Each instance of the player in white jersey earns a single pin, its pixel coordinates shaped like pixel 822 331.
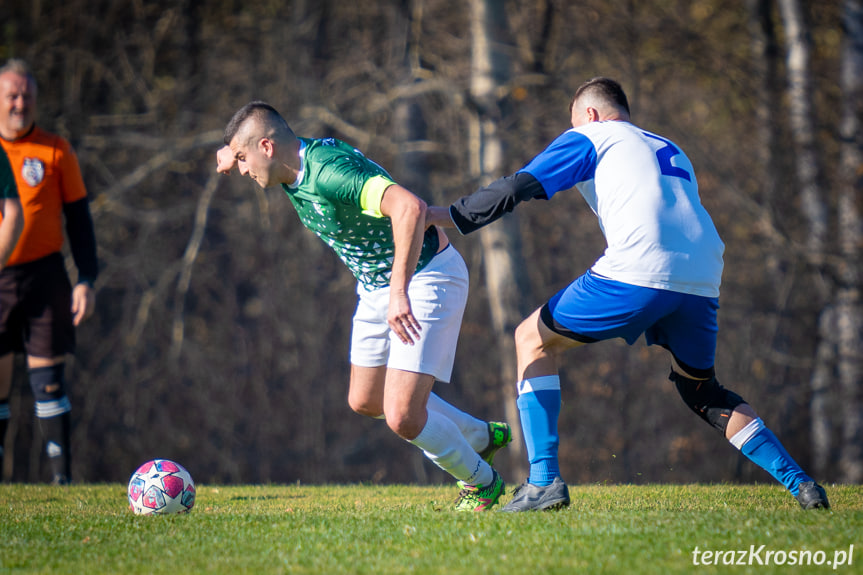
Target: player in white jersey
pixel 659 276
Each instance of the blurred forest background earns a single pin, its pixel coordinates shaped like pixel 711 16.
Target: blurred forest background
pixel 222 326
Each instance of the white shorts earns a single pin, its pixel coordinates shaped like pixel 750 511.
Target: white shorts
pixel 438 295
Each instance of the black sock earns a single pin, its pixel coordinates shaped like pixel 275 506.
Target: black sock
pixel 4 424
pixel 55 431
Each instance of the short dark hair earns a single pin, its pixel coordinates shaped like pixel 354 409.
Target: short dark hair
pixel 604 88
pixel 258 109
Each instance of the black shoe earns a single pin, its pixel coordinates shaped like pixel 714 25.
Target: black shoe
pixel 812 496
pixel 530 497
pixel 60 480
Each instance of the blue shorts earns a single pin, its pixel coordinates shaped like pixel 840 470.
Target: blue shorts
pixel 595 308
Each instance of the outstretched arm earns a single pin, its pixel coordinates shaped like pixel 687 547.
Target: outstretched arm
pixel 491 202
pixel 407 213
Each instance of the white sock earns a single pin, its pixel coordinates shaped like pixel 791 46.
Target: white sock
pixel 444 444
pixel 740 438
pixel 474 430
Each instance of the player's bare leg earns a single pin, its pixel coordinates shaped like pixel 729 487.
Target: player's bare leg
pixel 405 397
pixel 401 396
pixel 366 397
pixel 537 348
pixel 366 391
pixel 403 401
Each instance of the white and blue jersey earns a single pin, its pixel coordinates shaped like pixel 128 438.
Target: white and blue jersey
pixel 661 269
pixel 643 190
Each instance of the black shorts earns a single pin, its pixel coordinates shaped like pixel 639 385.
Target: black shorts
pixel 36 308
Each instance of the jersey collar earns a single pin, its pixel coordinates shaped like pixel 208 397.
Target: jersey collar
pixel 302 154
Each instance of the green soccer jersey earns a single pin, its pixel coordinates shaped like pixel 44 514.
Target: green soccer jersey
pixel 337 196
pixel 8 189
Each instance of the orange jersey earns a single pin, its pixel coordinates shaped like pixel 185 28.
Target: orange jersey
pixel 48 176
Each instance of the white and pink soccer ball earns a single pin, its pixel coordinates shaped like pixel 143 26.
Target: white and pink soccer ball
pixel 161 486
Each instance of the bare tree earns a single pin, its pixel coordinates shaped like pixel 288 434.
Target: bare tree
pixel 848 304
pixel 504 269
pixel 814 211
pixel 802 119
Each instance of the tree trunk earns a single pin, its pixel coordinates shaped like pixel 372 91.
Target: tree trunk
pixel 504 270
pixel 764 50
pixel 849 307
pixel 802 118
pixel 802 114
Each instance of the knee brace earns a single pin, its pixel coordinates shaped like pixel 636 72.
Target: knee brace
pixel 707 398
pixel 49 390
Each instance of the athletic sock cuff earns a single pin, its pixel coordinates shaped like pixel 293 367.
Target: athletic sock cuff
pixel 740 438
pixel 534 384
pixel 53 408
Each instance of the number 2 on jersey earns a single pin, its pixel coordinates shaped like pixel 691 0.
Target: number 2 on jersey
pixel 664 155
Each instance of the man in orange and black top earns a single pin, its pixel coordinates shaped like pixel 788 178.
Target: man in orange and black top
pixel 39 309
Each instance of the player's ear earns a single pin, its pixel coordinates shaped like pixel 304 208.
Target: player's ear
pixel 267 147
pixel 592 114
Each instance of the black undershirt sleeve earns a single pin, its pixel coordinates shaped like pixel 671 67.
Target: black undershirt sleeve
pixel 491 202
pixel 82 239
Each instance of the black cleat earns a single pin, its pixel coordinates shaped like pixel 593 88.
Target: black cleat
pixel 530 497
pixel 812 496
pixel 60 479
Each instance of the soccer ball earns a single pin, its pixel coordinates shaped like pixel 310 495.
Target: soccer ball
pixel 161 486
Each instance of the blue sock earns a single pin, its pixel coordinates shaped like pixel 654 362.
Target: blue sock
pixel 764 449
pixel 539 408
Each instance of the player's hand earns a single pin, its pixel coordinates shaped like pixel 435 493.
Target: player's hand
pixel 225 160
pixel 83 303
pixel 401 319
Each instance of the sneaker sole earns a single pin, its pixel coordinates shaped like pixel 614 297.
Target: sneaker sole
pixel 556 506
pixel 553 506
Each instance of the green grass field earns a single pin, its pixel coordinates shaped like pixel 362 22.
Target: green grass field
pixel 409 529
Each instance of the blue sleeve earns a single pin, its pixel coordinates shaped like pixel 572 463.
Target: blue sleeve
pixel 569 159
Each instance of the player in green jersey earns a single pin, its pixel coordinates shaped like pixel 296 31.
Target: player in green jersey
pixel 412 287
pixel 11 220
pixel 11 226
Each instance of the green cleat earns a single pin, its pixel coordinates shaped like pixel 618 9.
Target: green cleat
pixel 478 497
pixel 499 435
